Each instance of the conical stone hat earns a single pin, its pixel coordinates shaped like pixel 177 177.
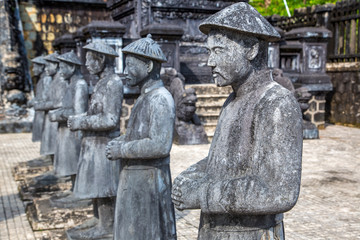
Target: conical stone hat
pixel 70 57
pixel 242 18
pixel 52 57
pixel 39 60
pixel 100 47
pixel 147 48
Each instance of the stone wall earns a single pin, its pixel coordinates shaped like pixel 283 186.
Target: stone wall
pixel 44 21
pixel 344 102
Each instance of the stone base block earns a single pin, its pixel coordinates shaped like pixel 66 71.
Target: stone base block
pixel 32 168
pixel 43 217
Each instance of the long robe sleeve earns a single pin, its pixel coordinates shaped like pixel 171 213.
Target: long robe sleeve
pixel 107 119
pixel 157 144
pixel 273 184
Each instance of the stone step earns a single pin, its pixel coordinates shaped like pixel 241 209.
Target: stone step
pixel 209 89
pixel 208 118
pixel 210 127
pixel 211 99
pixel 201 109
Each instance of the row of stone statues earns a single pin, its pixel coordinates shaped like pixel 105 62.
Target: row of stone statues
pixel 250 177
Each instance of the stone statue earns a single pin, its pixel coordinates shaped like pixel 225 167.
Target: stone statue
pixel 74 102
pixel 97 178
pixel 143 205
pixel 41 87
pixel 52 101
pixel 303 96
pixel 251 175
pixel 188 128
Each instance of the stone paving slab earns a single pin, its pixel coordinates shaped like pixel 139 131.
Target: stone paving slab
pixel 328 207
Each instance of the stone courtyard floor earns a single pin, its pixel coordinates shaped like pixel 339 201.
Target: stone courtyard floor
pixel 328 207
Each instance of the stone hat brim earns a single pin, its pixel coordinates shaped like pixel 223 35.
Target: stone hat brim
pixel 39 60
pixel 52 57
pixel 100 47
pixel 241 18
pixel 147 48
pixel 144 56
pixel 70 57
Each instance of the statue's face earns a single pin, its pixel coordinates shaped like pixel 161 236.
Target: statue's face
pixel 66 70
pixel 228 60
pixel 38 69
pixel 51 68
pixel 94 62
pixel 136 70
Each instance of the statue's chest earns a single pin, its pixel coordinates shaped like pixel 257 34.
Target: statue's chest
pixel 98 98
pixel 230 152
pixel 140 119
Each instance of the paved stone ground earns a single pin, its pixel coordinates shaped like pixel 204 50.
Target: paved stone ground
pixel 328 207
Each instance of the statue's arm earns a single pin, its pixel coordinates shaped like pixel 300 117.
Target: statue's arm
pixel 109 118
pixel 274 185
pixel 57 115
pixel 80 101
pixel 161 127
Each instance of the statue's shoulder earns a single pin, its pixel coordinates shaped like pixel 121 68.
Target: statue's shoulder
pixel 114 81
pixel 81 83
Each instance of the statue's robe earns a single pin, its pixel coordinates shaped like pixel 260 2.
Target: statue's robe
pixel 253 169
pixel 143 205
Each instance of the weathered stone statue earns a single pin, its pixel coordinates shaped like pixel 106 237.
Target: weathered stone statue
pixel 97 177
pixel 74 102
pixel 41 87
pixel 52 101
pixel 143 205
pixel 252 173
pixel 188 128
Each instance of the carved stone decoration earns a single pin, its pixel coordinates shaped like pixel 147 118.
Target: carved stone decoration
pixel 252 173
pixel 188 128
pixel 143 205
pixel 97 178
pixel 39 72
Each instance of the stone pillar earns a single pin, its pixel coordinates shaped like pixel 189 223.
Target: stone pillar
pixel 15 81
pixel 64 43
pixel 303 60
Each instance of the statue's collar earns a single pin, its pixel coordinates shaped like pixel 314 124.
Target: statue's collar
pixel 151 85
pixel 106 72
pixel 255 81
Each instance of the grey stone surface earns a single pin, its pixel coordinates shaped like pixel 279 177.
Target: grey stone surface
pixel 329 193
pixel 74 102
pixel 55 88
pixel 97 178
pixel 188 128
pixel 252 173
pixel 38 122
pixel 143 205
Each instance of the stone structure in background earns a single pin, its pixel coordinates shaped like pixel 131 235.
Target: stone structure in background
pixel 97 177
pixel 257 146
pixel 74 102
pixel 303 60
pixel 41 87
pixel 15 81
pixel 141 15
pixel 46 20
pixel 143 205
pixel 188 127
pixel 65 43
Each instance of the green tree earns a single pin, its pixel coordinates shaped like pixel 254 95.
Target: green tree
pixel 270 7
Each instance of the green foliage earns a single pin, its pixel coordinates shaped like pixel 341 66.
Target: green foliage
pixel 278 6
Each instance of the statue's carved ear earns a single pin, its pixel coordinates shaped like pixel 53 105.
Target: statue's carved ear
pixel 150 66
pixel 253 52
pixel 73 67
pixel 102 58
